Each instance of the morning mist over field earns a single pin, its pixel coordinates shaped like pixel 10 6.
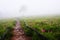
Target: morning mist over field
pixel 20 8
pixel 29 19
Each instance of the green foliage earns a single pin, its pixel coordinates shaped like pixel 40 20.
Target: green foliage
pixel 4 25
pixel 50 25
pixel 35 36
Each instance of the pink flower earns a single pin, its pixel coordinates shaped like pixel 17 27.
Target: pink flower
pixel 43 30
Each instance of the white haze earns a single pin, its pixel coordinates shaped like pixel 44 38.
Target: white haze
pixel 19 8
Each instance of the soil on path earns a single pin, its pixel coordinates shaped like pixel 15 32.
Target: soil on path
pixel 18 33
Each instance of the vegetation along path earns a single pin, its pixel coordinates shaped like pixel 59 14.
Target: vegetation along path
pixel 18 33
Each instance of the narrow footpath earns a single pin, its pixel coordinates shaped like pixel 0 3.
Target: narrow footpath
pixel 18 33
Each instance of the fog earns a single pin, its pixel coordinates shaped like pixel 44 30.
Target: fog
pixel 23 8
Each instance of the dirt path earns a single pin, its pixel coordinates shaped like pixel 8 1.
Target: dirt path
pixel 18 33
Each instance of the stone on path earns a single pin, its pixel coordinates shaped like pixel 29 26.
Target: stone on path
pixel 18 33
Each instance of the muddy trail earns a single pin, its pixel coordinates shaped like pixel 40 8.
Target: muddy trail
pixel 18 33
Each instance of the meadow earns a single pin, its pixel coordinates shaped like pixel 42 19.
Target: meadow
pixel 46 26
pixel 5 28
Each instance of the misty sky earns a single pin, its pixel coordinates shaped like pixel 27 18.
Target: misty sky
pixel 16 8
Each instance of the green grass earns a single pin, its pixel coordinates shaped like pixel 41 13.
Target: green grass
pixel 4 24
pixel 50 25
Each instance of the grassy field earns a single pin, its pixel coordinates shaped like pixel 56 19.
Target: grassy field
pixel 4 25
pixel 48 27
